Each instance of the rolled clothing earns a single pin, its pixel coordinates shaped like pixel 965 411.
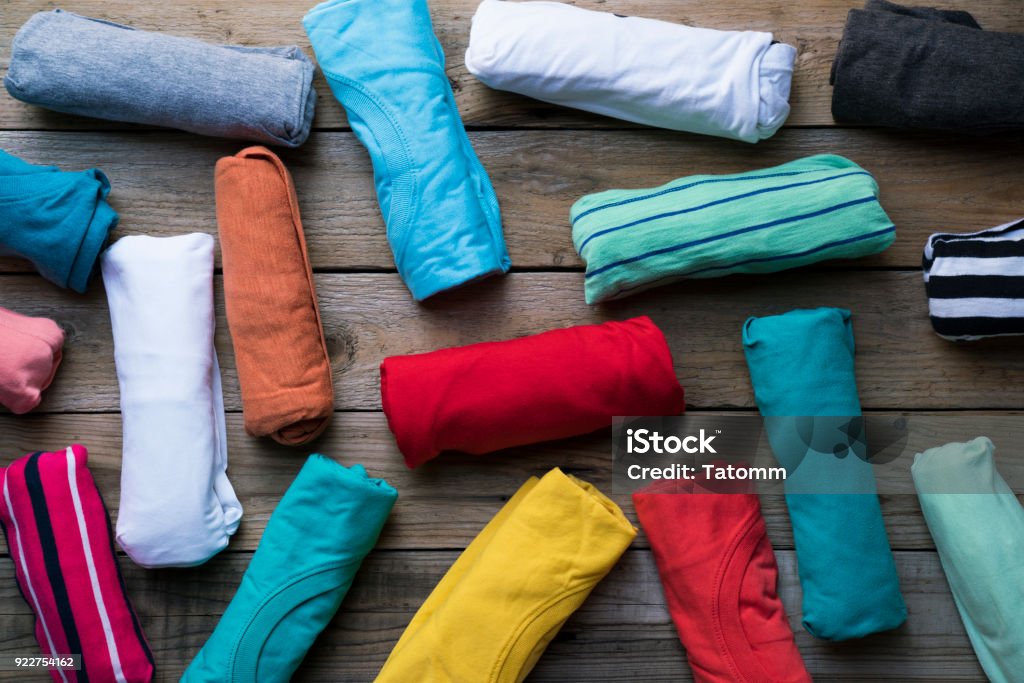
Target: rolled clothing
pixel 178 508
pixel 386 67
pixel 975 282
pixel 809 210
pixel 918 67
pixel 92 67
pixel 733 84
pixel 57 220
pixel 30 353
pixel 58 535
pixel 802 365
pixel 978 527
pixel 720 578
pixel 508 594
pixel 317 537
pixel 284 368
pixel 485 397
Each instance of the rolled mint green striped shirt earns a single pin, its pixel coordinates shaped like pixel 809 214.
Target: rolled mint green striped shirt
pixel 808 210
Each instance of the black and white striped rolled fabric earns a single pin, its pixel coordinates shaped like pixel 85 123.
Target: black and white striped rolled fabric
pixel 975 282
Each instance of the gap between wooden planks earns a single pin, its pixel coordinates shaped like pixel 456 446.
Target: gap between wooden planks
pixel 163 182
pixel 901 363
pixel 444 504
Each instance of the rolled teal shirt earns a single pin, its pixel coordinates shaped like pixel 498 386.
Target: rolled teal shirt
pixel 57 220
pixel 801 364
pixel 385 66
pixel 326 523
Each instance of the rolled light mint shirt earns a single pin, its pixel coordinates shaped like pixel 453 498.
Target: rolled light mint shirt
pixel 978 526
pixel 90 67
pixel 732 84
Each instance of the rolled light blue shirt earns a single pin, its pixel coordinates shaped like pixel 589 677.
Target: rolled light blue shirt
pixel 385 66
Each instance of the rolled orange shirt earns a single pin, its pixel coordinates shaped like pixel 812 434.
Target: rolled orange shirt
pixel 283 365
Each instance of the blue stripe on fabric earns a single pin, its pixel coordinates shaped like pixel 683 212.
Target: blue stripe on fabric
pixel 678 188
pixel 740 231
pixel 765 259
pixel 716 202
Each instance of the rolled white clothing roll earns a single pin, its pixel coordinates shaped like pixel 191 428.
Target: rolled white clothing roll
pixel 178 508
pixel 732 84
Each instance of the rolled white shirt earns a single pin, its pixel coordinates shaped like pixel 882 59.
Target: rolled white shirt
pixel 732 84
pixel 178 508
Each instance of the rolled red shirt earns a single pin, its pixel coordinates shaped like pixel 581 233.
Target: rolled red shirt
pixel 720 578
pixel 495 395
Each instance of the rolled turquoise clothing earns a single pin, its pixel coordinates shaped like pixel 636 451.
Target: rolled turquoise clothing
pixel 385 66
pixel 802 365
pixel 326 523
pixel 701 226
pixel 978 527
pixel 58 220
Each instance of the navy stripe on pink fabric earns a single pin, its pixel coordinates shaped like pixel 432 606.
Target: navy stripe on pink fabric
pixel 60 540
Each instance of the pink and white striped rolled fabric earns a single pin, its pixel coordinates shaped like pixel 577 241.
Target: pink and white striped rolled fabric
pixel 58 534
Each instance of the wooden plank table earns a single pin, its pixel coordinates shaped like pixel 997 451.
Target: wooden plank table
pixel 541 158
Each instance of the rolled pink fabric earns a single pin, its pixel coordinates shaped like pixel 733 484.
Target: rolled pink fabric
pixel 30 351
pixel 58 535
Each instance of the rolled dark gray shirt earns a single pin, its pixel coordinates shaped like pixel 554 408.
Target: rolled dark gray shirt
pixel 919 67
pixel 90 67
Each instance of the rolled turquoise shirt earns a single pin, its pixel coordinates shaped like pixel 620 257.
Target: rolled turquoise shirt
pixel 57 220
pixel 978 527
pixel 385 66
pixel 801 365
pixel 326 523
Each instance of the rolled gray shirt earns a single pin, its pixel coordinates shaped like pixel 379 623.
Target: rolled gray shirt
pixel 90 67
pixel 920 67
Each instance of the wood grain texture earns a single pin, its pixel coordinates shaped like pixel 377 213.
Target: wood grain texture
pixel 623 628
pixel 814 27
pixel 163 182
pixel 901 363
pixel 541 159
pixel 445 503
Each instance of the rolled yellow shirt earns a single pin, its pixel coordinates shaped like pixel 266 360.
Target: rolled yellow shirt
pixel 495 611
